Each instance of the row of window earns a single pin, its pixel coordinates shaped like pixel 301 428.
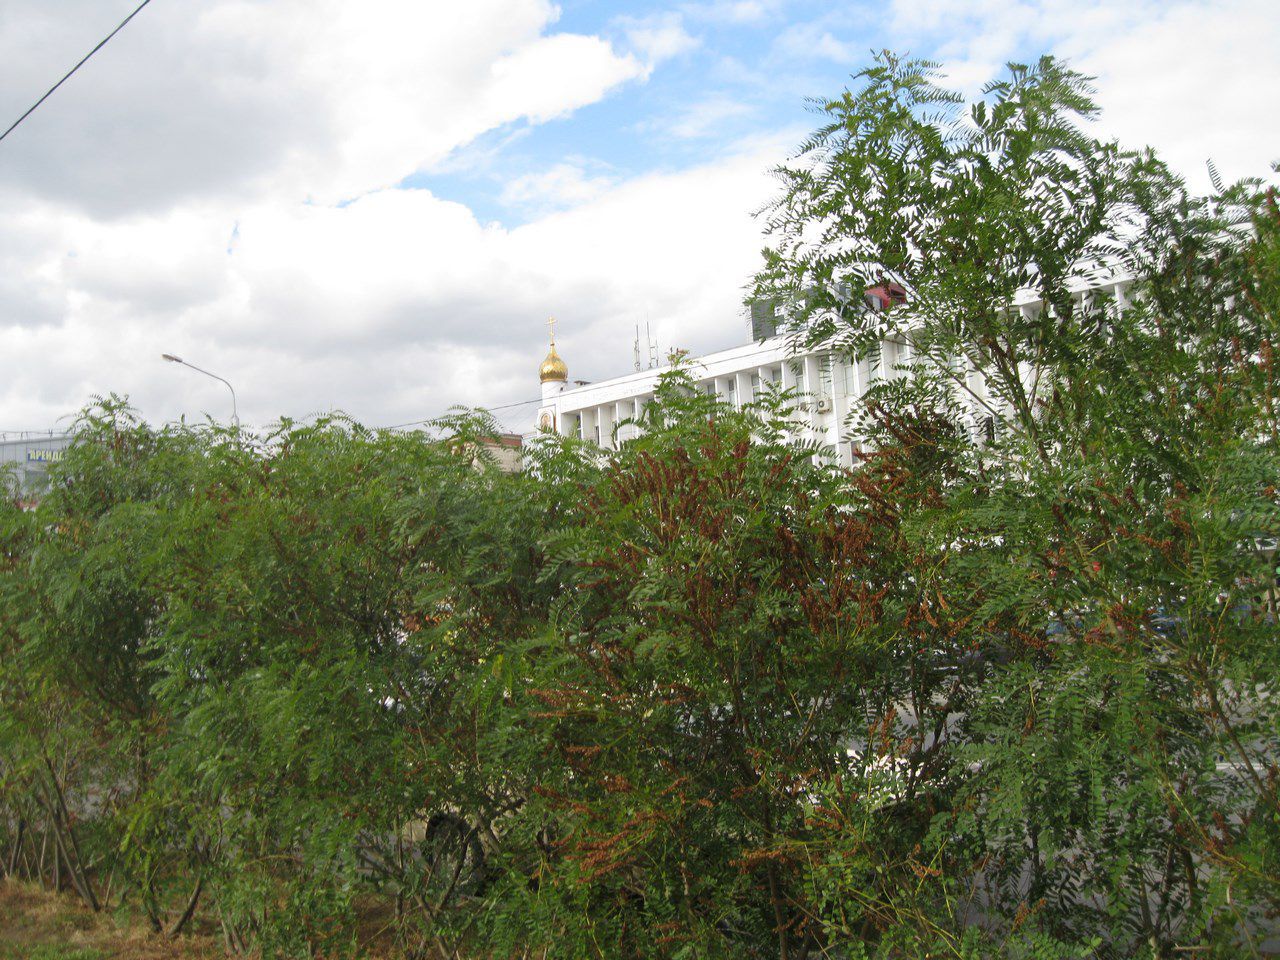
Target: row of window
pixel 832 372
pixel 825 377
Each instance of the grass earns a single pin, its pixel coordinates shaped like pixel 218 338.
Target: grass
pixel 37 925
pixel 47 952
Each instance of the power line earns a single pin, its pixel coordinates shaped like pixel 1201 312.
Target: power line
pixel 416 423
pixel 102 43
pixel 10 436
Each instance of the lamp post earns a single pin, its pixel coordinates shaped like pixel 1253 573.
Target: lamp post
pixel 235 417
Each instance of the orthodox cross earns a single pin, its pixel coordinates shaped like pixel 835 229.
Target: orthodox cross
pixel 551 322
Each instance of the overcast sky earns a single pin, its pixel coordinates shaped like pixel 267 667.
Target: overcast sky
pixel 373 206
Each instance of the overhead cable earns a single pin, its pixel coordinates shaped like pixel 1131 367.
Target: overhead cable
pixel 102 43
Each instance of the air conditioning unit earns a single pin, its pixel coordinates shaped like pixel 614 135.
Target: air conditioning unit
pixel 824 405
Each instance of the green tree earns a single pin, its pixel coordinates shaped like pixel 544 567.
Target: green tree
pixel 318 586
pixel 1001 692
pixel 724 644
pixel 1111 784
pixel 79 609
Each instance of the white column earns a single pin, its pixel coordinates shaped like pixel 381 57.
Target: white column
pixel 605 419
pixel 813 390
pixel 787 380
pixel 861 375
pixel 1122 295
pixel 1030 311
pixel 840 406
pixel 624 410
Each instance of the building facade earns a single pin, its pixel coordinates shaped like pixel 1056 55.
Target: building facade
pixel 25 458
pixel 827 384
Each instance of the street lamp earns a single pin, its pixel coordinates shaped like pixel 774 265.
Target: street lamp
pixel 235 417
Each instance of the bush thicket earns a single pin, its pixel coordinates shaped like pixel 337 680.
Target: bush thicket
pixel 1002 693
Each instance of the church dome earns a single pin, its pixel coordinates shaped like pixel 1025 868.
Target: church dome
pixel 553 368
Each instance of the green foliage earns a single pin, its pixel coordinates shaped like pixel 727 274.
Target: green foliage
pixel 1111 777
pixel 708 695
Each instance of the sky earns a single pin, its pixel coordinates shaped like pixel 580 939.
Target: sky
pixel 373 207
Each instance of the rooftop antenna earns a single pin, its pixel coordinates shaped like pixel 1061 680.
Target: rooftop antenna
pixel 653 347
pixel 636 348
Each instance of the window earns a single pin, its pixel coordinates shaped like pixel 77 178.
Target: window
pixel 797 371
pixel 848 376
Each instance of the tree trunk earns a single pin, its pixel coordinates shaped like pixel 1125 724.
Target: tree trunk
pixel 18 839
pixel 78 875
pixel 192 902
pixel 149 905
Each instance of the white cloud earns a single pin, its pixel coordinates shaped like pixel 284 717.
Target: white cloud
pixel 808 40
pixel 552 77
pixel 563 185
pixel 736 11
pixel 393 306
pixel 252 119
pixel 215 184
pixel 290 98
pixel 1197 82
pixel 1195 79
pixel 658 37
pixel 702 118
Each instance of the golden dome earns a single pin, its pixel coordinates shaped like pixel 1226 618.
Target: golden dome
pixel 553 368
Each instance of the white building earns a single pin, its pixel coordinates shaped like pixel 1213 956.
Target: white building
pixel 826 383
pixel 25 459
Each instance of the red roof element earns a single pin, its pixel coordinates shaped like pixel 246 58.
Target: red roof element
pixel 504 440
pixel 886 295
